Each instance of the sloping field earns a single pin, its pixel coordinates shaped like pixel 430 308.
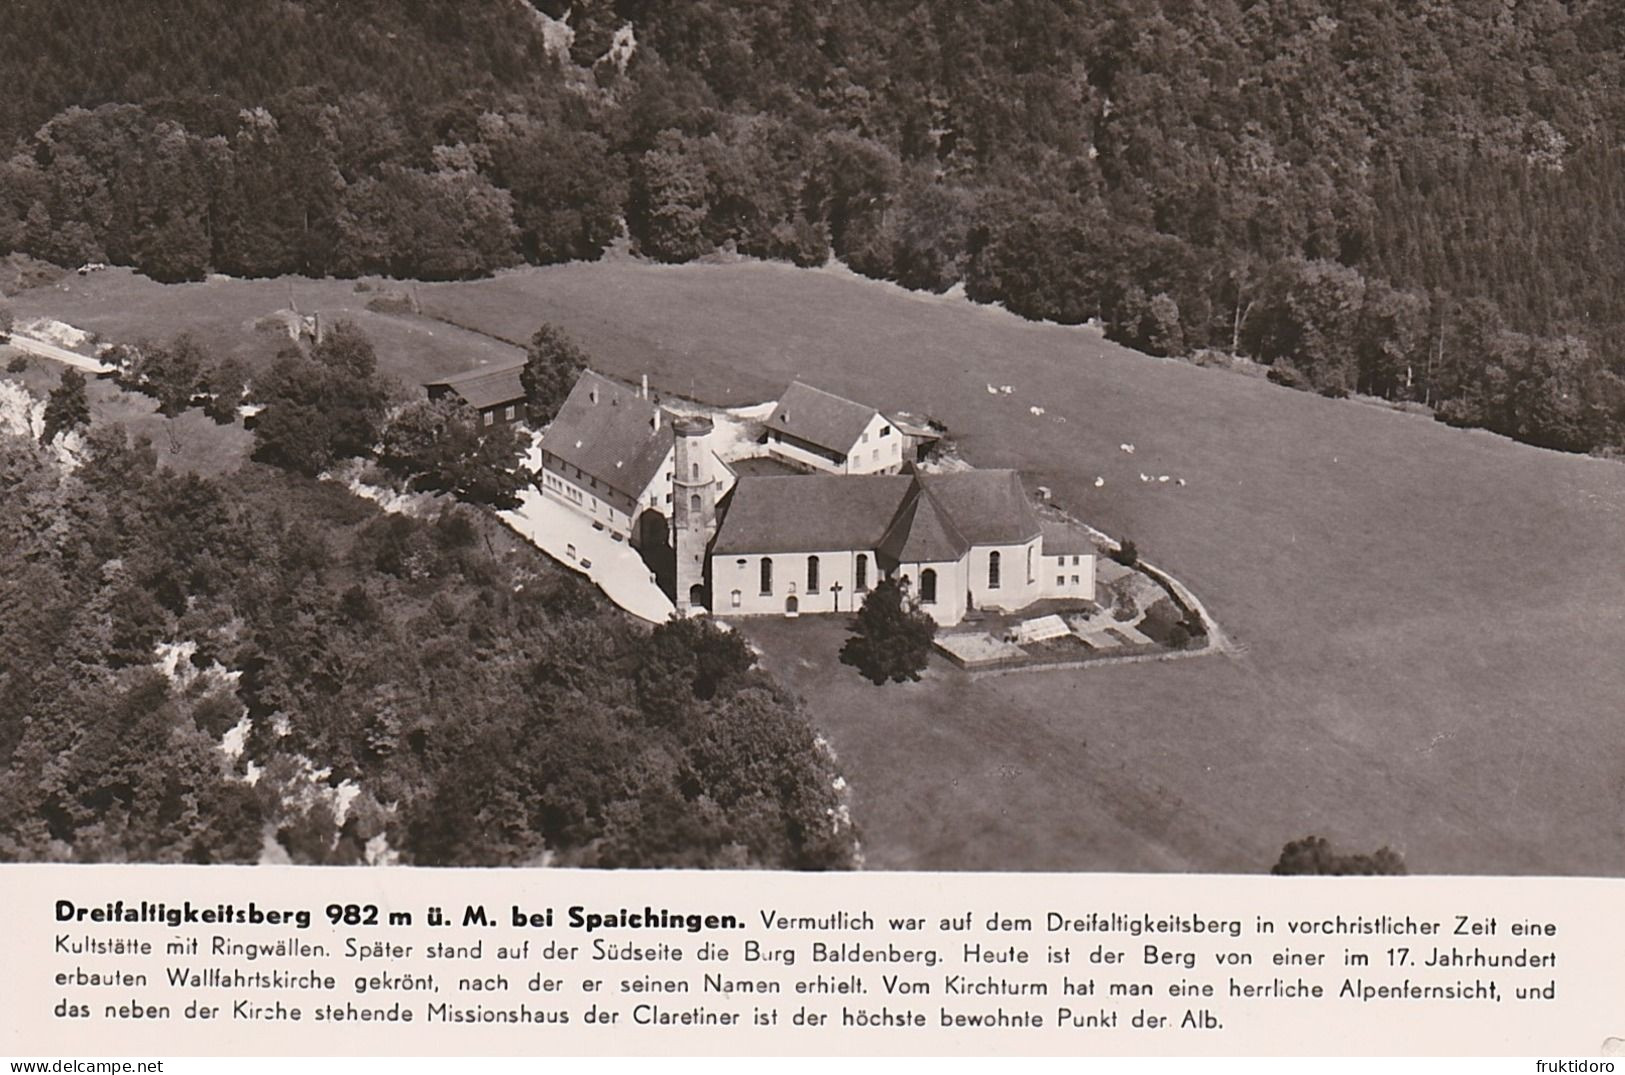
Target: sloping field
pixel 1433 619
pixel 223 314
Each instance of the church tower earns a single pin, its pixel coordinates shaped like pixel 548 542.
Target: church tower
pixel 694 510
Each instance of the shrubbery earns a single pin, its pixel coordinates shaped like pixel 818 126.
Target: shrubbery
pixel 1313 855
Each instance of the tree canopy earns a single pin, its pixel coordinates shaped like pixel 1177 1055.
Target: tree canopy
pixel 67 407
pixel 553 361
pixel 483 705
pixel 1358 195
pixel 441 447
pixel 891 637
pixel 321 407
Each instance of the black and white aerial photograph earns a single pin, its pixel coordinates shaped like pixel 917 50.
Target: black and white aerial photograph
pixel 1111 436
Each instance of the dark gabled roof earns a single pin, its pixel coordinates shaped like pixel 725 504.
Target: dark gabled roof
pixel 1066 539
pixel 989 507
pixel 810 513
pixel 922 532
pixel 485 387
pixel 611 433
pixel 929 518
pixel 820 418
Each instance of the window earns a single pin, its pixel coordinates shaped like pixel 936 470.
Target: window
pixel 874 456
pixel 812 574
pixel 694 503
pixel 736 597
pixel 863 438
pixel 695 471
pixel 767 575
pixel 1074 561
pixel 928 587
pixel 490 417
pixel 1060 580
pixel 1030 576
pixel 863 572
pixel 508 414
pixel 1074 580
pixel 993 571
pixel 885 431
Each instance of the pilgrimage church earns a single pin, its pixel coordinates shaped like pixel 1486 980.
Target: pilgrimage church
pixel 848 510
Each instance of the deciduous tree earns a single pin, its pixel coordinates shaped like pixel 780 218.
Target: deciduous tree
pixel 67 407
pixel 891 637
pixel 553 361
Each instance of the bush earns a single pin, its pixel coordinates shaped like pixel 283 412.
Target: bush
pixel 1126 554
pixel 1289 376
pixel 390 302
pixel 1313 855
pixel 17 364
pixel 1161 621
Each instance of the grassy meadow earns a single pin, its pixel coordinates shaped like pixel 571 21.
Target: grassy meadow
pixel 225 316
pixel 1431 620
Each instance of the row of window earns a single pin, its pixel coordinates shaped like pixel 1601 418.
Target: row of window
pixel 928 578
pixel 860 580
pixel 610 495
pixel 571 493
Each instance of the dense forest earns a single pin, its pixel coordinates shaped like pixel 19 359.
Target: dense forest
pixel 198 670
pixel 1421 202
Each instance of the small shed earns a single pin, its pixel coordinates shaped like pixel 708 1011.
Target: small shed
pixel 921 435
pixel 497 394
